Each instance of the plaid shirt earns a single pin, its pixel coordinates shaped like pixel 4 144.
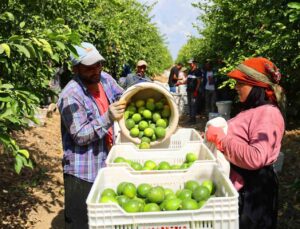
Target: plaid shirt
pixel 83 128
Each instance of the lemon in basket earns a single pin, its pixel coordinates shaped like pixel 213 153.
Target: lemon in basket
pixel 189 204
pixel 122 200
pixel 191 185
pixel 129 190
pixel 190 157
pixel 119 160
pixel 160 132
pixel 108 199
pixel 208 184
pixel 201 203
pixel 201 193
pixel 150 164
pixel 143 190
pixel 148 132
pixel 156 195
pixel 132 206
pixel 151 207
pixel 147 114
pixel 143 125
pixel 134 132
pixel 161 123
pixel 172 204
pixel 129 123
pixel 108 192
pixel 140 103
pixel 184 194
pixel 164 165
pixel 144 145
pixel 136 117
pixel 120 188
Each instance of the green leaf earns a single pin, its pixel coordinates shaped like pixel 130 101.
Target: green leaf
pixel 1 49
pixel 294 5
pixel 18 164
pixel 6 99
pixel 24 152
pixel 6 49
pixel 14 38
pixel 8 15
pixel 22 24
pixel 23 50
pixel 7 86
pixel 60 45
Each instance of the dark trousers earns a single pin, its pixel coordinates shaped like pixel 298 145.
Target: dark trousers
pixel 192 103
pixel 76 192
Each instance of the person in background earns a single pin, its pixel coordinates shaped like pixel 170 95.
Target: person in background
pixel 193 85
pixel 137 77
pixel 173 77
pixel 88 106
pixel 253 141
pixel 209 87
pixel 126 71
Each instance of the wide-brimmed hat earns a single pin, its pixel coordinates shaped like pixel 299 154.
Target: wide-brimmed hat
pixel 87 54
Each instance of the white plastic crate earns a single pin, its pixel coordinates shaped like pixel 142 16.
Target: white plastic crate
pixel 182 137
pixel 157 155
pixel 219 212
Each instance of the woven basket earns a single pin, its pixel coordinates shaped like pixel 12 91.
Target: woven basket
pixel 146 90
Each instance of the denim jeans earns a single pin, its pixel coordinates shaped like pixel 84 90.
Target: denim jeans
pixel 173 89
pixel 76 192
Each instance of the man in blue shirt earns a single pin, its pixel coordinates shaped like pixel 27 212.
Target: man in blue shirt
pixel 88 106
pixel 138 77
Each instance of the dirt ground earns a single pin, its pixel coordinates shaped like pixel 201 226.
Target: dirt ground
pixel 34 199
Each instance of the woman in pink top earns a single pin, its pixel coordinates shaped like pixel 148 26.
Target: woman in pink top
pixel 253 141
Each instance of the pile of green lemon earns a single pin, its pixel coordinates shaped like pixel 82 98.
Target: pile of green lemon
pixel 190 158
pixel 148 198
pixel 147 120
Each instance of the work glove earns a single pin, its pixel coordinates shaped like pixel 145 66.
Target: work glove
pixel 116 110
pixel 215 135
pixel 195 93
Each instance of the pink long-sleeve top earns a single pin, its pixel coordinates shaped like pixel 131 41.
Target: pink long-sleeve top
pixel 253 139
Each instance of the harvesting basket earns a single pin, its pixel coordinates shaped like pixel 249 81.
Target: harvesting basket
pixel 150 90
pixel 158 155
pixel 219 212
pixel 181 137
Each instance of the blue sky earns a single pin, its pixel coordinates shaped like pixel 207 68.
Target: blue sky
pixel 174 19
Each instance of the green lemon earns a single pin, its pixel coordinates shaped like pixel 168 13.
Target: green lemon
pixel 136 117
pixel 168 191
pixel 161 123
pixel 148 132
pixel 159 105
pixel 136 166
pixel 172 204
pixel 122 199
pixel 150 100
pixel 143 125
pixel 139 103
pixel 132 206
pixel 156 195
pixel 144 145
pixel 141 134
pixel 141 203
pixel 129 123
pixel 191 185
pixel 120 188
pixel 145 139
pixel 184 166
pixel 189 204
pixel 126 115
pixel 141 109
pixel 185 194
pixel 175 167
pixel 170 196
pixel 108 199
pixel 165 113
pixel 129 190
pixel 119 160
pixel 150 106
pixel 164 165
pixel 147 114
pixel 108 192
pixel 150 164
pixel 191 157
pixel 209 184
pixel 201 193
pixel 160 132
pixel 151 207
pixel 131 110
pixel 134 132
pixel 156 116
pixel 143 190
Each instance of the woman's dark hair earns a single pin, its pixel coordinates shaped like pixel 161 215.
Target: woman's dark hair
pixel 257 97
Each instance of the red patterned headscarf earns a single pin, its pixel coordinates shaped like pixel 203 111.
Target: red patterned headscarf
pixel 261 72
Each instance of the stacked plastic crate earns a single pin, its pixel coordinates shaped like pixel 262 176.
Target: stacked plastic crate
pixel 220 211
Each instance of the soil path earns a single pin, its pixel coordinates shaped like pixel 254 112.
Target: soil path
pixel 34 199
